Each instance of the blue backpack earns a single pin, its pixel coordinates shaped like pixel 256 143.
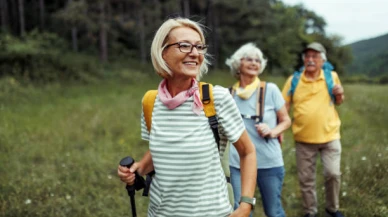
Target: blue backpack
pixel 327 69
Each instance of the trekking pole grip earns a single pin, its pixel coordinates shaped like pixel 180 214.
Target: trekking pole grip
pixel 139 180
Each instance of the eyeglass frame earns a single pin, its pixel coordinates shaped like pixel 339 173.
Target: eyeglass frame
pixel 192 47
pixel 250 59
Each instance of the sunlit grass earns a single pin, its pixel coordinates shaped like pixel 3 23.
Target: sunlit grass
pixel 60 147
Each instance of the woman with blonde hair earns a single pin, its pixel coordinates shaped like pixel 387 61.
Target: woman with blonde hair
pixel 189 180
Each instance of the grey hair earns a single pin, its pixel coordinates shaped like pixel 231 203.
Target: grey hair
pixel 247 50
pixel 323 56
pixel 160 41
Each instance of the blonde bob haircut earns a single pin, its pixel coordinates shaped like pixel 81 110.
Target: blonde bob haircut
pixel 247 50
pixel 160 41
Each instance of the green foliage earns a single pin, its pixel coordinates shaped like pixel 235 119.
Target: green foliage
pixel 383 79
pixel 75 14
pixel 125 29
pixel 358 79
pixel 42 58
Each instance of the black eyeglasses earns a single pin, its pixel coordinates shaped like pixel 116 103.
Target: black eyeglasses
pixel 186 47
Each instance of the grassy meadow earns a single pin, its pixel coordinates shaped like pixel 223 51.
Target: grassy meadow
pixel 60 146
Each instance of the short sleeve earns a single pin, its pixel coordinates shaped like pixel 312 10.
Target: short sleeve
pixel 286 89
pixel 276 95
pixel 228 114
pixel 144 131
pixel 335 78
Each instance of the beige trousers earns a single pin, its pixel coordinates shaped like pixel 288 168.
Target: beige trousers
pixel 306 157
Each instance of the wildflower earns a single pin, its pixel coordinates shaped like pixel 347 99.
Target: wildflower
pixel 121 141
pixel 109 177
pixel 28 201
pixel 363 158
pixel 344 194
pixel 68 197
pixel 52 194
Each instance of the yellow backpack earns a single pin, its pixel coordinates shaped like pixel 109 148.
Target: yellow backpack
pixel 206 93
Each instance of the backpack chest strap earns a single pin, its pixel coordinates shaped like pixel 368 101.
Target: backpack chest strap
pixel 253 117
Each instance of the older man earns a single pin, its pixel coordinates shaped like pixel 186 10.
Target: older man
pixel 314 92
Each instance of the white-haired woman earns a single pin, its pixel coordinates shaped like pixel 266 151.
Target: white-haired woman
pixel 246 64
pixel 189 179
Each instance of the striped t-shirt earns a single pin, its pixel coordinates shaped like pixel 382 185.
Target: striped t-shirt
pixel 189 179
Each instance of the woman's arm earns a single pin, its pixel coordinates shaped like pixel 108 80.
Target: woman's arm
pixel 247 153
pixel 284 123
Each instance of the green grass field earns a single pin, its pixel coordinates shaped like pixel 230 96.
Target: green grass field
pixel 60 147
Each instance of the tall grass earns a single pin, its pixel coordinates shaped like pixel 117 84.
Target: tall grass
pixel 60 147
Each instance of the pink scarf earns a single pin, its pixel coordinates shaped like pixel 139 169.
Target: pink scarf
pixel 173 102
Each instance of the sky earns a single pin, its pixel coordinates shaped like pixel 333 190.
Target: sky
pixel 354 20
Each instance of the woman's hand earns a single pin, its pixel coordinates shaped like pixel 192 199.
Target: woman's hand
pixel 284 123
pixel 264 130
pixel 242 211
pixel 144 166
pixel 127 175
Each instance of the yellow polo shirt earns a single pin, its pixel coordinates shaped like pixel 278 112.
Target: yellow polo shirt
pixel 315 119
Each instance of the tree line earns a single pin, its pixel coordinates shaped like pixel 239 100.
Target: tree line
pixel 116 29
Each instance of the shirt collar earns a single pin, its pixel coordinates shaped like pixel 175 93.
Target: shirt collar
pixel 320 77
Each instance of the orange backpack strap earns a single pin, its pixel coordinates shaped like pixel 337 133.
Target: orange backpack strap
pixel 148 106
pixel 206 92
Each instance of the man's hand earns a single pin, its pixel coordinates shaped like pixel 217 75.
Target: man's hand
pixel 338 89
pixel 338 92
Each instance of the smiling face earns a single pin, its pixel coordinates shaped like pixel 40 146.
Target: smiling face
pixel 183 64
pixel 250 66
pixel 312 61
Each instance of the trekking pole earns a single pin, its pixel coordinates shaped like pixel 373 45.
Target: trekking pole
pixel 139 183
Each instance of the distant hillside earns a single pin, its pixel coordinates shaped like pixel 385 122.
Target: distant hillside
pixel 370 57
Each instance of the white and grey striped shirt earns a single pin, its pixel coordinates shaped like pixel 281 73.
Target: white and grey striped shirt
pixel 189 180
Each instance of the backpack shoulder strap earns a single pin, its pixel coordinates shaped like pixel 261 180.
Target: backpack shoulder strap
pixel 260 103
pixel 206 92
pixel 327 70
pixel 294 82
pixel 261 100
pixel 148 106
